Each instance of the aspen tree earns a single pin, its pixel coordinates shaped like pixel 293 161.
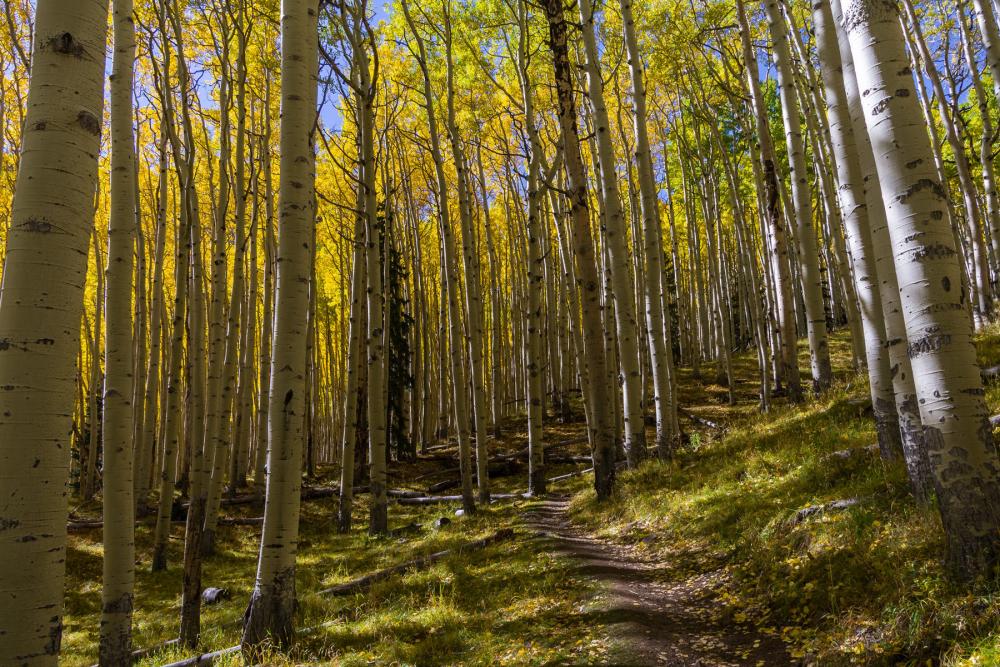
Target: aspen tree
pixel 907 410
pixel 88 485
pixel 496 393
pixel 151 395
pixel 989 30
pixel 957 432
pixel 272 604
pixel 220 359
pixel 449 270
pixel 810 278
pixel 375 241
pixel 621 281
pixel 357 344
pixel 855 211
pixel 217 407
pixel 355 357
pixel 190 622
pixel 588 283
pixel 658 326
pixel 772 213
pixel 223 445
pixel 119 506
pixel 470 264
pixel 267 310
pixel 140 314
pixel 533 323
pixel 41 303
pixel 242 426
pixel 987 138
pixel 983 303
pixel 171 427
pixel 197 386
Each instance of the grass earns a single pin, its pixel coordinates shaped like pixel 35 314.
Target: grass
pixel 862 585
pixel 508 604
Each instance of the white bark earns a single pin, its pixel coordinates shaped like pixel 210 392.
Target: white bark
pixel 810 278
pixel 622 285
pixel 854 209
pixel 119 506
pixel 658 330
pixel 272 604
pixel 41 302
pixel 957 432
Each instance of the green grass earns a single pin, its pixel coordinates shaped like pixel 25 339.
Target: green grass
pixel 863 585
pixel 511 603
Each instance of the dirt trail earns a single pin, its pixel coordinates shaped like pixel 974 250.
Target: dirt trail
pixel 653 615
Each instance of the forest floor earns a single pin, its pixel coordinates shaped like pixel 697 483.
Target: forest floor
pixel 653 612
pixel 739 552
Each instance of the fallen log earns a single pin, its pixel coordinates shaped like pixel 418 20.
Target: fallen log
pixel 362 583
pixel 140 653
pixel 569 475
pixel 444 485
pixel 435 473
pixel 242 521
pixel 404 493
pixel 557 460
pixel 204 658
pixel 434 500
pixel 506 468
pixel 437 457
pixel 698 420
pixel 406 530
pixel 523 452
pixel 444 445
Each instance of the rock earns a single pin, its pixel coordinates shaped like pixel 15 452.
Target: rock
pixel 846 454
pixel 441 522
pixel 807 512
pixel 214 595
pixel 459 512
pixel 650 540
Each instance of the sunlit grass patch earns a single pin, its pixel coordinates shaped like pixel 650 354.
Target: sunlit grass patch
pixel 860 584
pixel 470 608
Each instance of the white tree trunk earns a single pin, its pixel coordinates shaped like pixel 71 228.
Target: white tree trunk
pixel 272 604
pixel 41 302
pixel 599 421
pixel 119 506
pixel 622 285
pixel 535 268
pixel 854 209
pixel 775 222
pixel 957 431
pixel 657 332
pixel 810 278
